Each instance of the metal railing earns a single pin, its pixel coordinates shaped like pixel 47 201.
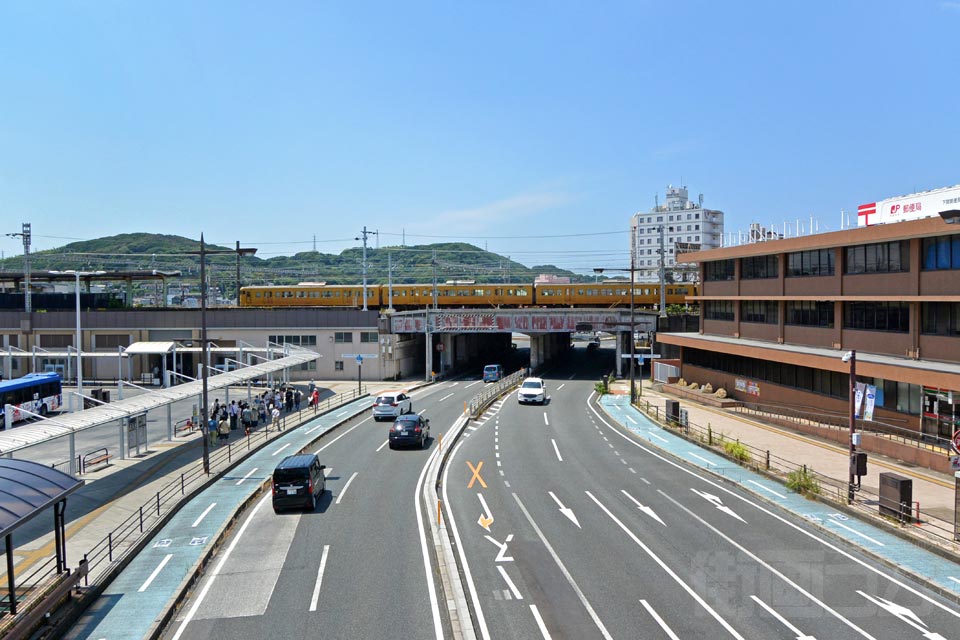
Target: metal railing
pixel 482 400
pixel 111 552
pixel 835 490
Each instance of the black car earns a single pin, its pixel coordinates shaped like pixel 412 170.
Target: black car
pixel 297 481
pixel 409 428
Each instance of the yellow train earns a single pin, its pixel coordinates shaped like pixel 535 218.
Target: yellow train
pixel 418 296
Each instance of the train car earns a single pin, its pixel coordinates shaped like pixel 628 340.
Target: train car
pixel 609 294
pixel 309 296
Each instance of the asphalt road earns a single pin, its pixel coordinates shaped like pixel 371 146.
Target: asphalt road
pixel 361 566
pixel 595 536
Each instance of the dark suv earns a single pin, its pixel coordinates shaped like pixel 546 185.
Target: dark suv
pixel 409 429
pixel 297 481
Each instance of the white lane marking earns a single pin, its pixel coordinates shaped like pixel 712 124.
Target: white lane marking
pixel 453 384
pixel 556 449
pixel 473 428
pixel 385 443
pixel 543 627
pixel 857 533
pixel 693 455
pixel 632 421
pixel 631 469
pixel 779 617
pixel 663 625
pixel 473 383
pixel 496 447
pixel 425 553
pixel 280 449
pixel 481 621
pixel 616 452
pixel 449 395
pixel 663 565
pixel 781 519
pixel 610 444
pixel 208 509
pixel 316 587
pixel 216 571
pixel 779 495
pixel 561 386
pixel 344 490
pixel 421 412
pixel 506 578
pixel 572 377
pixel 545 420
pixel 155 573
pixel 342 413
pixel 954 579
pixel 327 472
pixel 240 481
pixel 660 438
pixel 767 566
pixel 337 438
pixel 563 569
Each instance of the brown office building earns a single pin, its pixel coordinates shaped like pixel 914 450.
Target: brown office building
pixel 777 317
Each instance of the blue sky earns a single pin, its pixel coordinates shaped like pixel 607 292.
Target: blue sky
pixel 496 123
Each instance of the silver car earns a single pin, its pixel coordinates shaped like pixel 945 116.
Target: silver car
pixel 391 404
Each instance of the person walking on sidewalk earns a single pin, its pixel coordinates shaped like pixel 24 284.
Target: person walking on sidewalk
pixel 223 430
pixel 297 398
pixel 289 400
pixel 246 416
pixel 234 412
pixel 276 417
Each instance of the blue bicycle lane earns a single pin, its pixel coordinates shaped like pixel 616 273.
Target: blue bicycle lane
pixel 135 601
pixel 894 550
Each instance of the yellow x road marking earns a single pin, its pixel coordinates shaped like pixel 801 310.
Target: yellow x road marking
pixel 476 475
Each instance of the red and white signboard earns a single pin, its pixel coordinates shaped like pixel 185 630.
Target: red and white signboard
pixel 956 440
pixel 925 204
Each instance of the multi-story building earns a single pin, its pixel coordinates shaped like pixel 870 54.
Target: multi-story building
pixel 777 317
pixel 679 226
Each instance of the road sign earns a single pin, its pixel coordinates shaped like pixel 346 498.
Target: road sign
pixel 955 463
pixel 956 440
pixel 359 359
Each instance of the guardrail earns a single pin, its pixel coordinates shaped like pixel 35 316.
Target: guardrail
pixel 831 489
pixel 112 552
pixel 482 400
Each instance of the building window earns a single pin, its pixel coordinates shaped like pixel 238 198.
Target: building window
pixel 342 337
pixel 818 262
pixel 877 316
pixel 112 340
pixel 884 257
pixel 764 311
pixel 338 365
pixel 369 336
pixel 718 270
pixel 309 366
pixel 56 341
pixel 809 313
pixel 718 310
pixel 758 267
pixel 940 318
pixel 300 341
pixel 941 253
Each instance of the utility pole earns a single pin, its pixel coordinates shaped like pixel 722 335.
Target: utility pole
pixel 433 262
pixel 663 289
pixel 25 234
pixel 363 237
pixel 390 281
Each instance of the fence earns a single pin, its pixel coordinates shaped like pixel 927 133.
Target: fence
pixel 112 551
pixel 804 479
pixel 482 400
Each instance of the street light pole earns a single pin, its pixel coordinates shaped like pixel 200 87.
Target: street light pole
pixel 205 423
pixel 851 357
pixel 79 344
pixel 633 338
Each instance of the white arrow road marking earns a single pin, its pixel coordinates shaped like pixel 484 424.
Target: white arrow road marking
pixel 502 554
pixel 647 510
pixel 485 515
pixel 316 587
pixel 905 614
pixel 760 486
pixel 564 510
pixel 656 616
pixel 718 503
pixel 344 490
pixel 543 627
pixel 556 449
pixel 155 573
pixel 207 510
pixel 783 621
pixel 513 587
pixel 449 395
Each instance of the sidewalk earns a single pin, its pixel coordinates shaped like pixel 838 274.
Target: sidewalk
pixel 934 491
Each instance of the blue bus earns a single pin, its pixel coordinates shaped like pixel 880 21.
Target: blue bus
pixel 38 393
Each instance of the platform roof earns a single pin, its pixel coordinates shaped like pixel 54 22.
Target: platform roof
pixel 28 488
pixel 149 348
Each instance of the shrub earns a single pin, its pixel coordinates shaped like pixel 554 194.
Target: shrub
pixel 681 382
pixel 737 451
pixel 721 393
pixel 693 386
pixel 600 387
pixel 707 388
pixel 803 480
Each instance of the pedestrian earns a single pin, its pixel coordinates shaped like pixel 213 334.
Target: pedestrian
pixel 276 417
pixel 216 407
pixel 223 430
pixel 311 388
pixel 246 415
pixel 289 398
pixel 234 412
pixel 263 413
pixel 212 430
pixel 297 398
pixel 315 398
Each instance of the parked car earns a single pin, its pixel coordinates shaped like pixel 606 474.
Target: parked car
pixel 392 404
pixel 409 429
pixel 297 481
pixel 492 373
pixel 532 390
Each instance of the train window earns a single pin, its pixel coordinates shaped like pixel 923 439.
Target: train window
pixel 301 294
pixel 479 292
pixel 523 292
pixel 268 294
pixel 256 294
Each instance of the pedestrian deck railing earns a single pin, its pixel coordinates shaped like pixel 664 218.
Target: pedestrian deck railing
pixel 113 552
pixel 806 480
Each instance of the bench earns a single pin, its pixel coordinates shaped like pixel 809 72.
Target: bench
pixel 98 456
pixel 184 427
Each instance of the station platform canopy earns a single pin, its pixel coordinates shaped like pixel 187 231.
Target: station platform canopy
pixel 43 430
